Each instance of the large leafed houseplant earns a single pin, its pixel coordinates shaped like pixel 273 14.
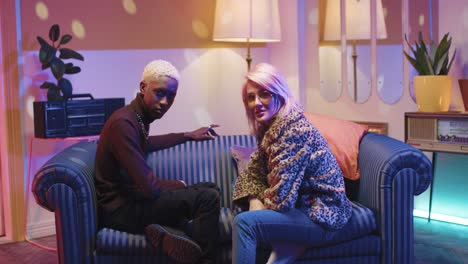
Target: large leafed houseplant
pixel 433 86
pixel 62 88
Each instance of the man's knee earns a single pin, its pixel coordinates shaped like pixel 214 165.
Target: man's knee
pixel 210 196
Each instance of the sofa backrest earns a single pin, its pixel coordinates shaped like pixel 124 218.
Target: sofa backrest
pixel 199 161
pixel 192 162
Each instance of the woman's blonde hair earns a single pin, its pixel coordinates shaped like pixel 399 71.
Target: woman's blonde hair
pixel 269 78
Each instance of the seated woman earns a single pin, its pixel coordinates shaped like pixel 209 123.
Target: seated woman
pixel 293 187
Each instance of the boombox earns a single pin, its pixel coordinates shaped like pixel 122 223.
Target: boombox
pixel 71 118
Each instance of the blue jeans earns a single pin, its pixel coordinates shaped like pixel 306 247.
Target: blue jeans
pixel 292 228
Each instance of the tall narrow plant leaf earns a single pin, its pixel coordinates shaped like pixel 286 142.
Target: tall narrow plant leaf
pixel 451 61
pixel 430 62
pixel 412 61
pixel 432 52
pixel 440 64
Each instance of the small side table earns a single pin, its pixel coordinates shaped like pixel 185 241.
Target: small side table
pixel 437 132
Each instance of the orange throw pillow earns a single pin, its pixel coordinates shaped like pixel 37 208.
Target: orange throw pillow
pixel 343 138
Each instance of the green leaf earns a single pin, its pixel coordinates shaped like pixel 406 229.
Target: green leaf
pixel 58 68
pixel 42 41
pixel 65 39
pixel 443 48
pixel 451 61
pixel 45 65
pixel 440 64
pixel 66 88
pixel 412 61
pixel 42 55
pixel 432 53
pixel 46 54
pixel 434 62
pixel 48 85
pixel 54 32
pixel 54 95
pixel 73 70
pixel 70 54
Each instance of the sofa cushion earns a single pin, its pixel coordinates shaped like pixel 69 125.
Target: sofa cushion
pixel 364 246
pixel 225 226
pixel 361 223
pixel 343 137
pixel 114 242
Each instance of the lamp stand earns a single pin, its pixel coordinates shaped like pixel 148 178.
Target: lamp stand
pixel 248 59
pixel 354 56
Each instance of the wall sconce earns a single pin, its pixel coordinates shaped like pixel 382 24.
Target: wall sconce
pixel 249 21
pixel 358 25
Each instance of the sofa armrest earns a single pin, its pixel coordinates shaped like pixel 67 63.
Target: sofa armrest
pixel 65 186
pixel 392 173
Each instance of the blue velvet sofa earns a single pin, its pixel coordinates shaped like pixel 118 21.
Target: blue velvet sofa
pixel 381 230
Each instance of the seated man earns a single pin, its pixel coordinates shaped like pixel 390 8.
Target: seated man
pixel 131 198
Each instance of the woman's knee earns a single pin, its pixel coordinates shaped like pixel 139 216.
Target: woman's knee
pixel 241 221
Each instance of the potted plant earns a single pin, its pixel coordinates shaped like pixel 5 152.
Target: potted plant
pixel 62 89
pixel 433 86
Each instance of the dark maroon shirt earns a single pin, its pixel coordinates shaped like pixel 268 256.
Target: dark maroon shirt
pixel 122 174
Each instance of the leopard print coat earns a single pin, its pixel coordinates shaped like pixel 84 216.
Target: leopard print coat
pixel 294 167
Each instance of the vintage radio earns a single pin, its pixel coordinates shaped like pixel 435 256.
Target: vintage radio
pixel 445 132
pixel 73 118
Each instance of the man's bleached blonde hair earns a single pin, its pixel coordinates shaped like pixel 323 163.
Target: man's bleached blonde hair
pixel 157 68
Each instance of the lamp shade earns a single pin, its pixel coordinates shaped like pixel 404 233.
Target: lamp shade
pixel 358 20
pixel 247 21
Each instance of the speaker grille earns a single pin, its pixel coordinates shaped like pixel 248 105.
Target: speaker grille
pixel 422 128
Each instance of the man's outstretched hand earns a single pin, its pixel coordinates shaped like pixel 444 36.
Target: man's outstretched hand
pixel 203 133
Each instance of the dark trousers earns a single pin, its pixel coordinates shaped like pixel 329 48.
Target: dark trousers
pixel 198 203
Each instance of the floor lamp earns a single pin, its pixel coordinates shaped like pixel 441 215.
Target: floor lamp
pixel 247 21
pixel 358 22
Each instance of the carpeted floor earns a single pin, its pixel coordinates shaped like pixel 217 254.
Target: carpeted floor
pixel 439 242
pixel 434 242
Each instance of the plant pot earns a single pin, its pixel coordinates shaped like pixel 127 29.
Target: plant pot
pixel 464 92
pixel 433 92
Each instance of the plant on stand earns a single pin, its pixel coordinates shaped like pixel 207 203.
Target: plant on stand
pixel 62 89
pixel 433 86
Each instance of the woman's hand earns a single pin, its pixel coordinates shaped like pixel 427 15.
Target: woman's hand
pixel 203 133
pixel 256 204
